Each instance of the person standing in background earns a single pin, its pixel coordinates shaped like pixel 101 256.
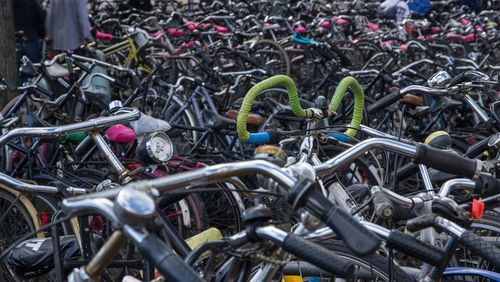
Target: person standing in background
pixel 143 5
pixel 68 24
pixel 29 17
pixel 396 10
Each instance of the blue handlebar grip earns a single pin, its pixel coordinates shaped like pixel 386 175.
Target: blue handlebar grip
pixel 259 138
pixel 339 136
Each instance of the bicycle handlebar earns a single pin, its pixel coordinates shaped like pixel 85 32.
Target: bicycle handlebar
pixel 359 102
pixel 471 241
pixel 307 250
pixel 59 131
pixel 277 80
pixel 282 80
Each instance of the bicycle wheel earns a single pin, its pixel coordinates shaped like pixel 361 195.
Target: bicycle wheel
pixel 152 54
pixel 15 222
pixel 488 227
pixel 368 49
pixel 223 208
pixel 271 57
pixel 187 215
pixel 348 53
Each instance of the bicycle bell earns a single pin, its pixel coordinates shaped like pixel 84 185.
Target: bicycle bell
pixel 270 153
pixel 134 207
pixel 155 148
pixel 439 79
pixel 494 141
pixel 439 139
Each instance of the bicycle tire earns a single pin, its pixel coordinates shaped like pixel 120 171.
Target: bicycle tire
pixel 170 69
pixel 258 46
pixel 11 222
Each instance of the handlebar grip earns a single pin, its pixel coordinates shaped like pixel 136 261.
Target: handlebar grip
pixel 487 185
pixel 382 205
pixel 457 79
pixel 356 236
pixel 359 239
pixel 481 247
pixel 415 248
pixel 10 85
pixel 447 161
pixel 84 146
pixel 339 136
pixel 421 222
pixel 266 137
pixel 477 149
pixel 359 102
pixel 384 102
pixel 168 264
pixel 318 255
pixel 406 171
pixel 246 106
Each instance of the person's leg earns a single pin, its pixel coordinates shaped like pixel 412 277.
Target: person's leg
pixel 33 49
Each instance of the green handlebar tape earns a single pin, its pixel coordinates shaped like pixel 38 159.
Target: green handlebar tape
pixel 246 106
pixel 359 101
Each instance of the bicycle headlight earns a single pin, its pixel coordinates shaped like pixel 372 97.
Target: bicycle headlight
pixel 155 148
pixel 439 79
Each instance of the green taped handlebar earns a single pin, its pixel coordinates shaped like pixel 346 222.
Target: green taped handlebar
pixel 359 101
pixel 275 81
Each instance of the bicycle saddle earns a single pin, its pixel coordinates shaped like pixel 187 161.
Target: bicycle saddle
pixel 216 121
pixel 412 100
pixel 252 119
pixel 55 70
pixel 35 256
pixel 120 134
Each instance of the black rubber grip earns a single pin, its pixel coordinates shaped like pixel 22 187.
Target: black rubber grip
pixel 481 247
pixel 406 171
pixel 487 185
pixel 477 149
pixel 384 102
pixel 445 161
pixel 7 82
pixel 382 205
pixel 317 255
pixel 457 79
pixel 421 222
pixel 84 146
pixel 415 248
pixel 359 239
pixel 171 266
pixel 274 136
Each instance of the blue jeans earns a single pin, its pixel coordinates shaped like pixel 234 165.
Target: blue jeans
pixel 32 49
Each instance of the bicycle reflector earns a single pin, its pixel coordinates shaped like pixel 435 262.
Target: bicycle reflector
pixel 477 209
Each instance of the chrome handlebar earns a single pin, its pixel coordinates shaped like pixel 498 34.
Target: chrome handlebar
pixel 58 131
